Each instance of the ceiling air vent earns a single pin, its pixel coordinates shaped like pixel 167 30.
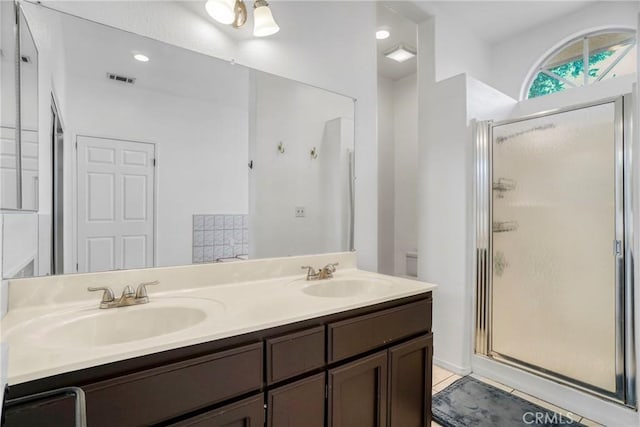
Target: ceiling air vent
pixel 122 79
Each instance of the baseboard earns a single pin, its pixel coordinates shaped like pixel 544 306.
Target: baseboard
pixel 451 367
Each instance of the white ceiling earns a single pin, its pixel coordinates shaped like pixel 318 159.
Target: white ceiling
pixel 93 50
pixel 494 21
pixel 491 21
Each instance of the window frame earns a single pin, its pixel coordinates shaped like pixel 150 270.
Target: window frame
pixel 541 65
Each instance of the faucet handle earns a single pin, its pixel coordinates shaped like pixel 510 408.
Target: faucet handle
pixel 107 296
pixel 141 292
pixel 331 267
pixel 128 291
pixel 310 270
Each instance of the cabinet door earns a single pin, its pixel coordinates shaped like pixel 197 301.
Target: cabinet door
pixel 246 413
pixel 410 383
pixel 298 404
pixel 358 393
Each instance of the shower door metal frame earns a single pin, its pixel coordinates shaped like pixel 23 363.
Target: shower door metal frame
pixel 624 329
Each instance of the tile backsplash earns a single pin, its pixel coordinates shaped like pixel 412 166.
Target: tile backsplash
pixel 217 237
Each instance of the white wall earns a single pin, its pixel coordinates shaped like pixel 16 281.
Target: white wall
pixel 20 242
pixel 512 59
pixel 320 44
pixel 458 50
pixel 405 112
pixel 386 177
pixel 443 177
pixel 201 147
pixel 301 118
pixel 397 172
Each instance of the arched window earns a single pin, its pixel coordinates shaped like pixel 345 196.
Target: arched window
pixel 608 53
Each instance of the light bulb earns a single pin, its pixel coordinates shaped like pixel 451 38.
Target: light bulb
pixel 382 34
pixel 221 10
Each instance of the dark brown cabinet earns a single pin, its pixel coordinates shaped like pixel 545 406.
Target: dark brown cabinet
pixel 368 367
pixel 246 413
pixel 51 412
pixel 298 404
pixel 294 354
pixel 357 335
pixel 410 383
pixel 169 391
pixel 358 393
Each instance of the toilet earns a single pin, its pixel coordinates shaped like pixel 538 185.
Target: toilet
pixel 412 264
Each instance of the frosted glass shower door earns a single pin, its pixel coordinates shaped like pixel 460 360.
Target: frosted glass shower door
pixel 554 228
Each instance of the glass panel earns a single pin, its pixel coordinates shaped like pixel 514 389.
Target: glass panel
pixel 568 54
pixel 601 62
pixel 544 84
pixel 554 276
pixel 572 71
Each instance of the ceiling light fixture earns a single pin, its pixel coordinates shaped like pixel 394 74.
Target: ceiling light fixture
pixel 234 12
pixel 382 34
pixel 140 57
pixel 400 53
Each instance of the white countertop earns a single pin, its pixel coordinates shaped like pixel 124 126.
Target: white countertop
pixel 239 308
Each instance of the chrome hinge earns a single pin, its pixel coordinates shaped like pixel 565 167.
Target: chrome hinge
pixel 617 247
pixel 154 163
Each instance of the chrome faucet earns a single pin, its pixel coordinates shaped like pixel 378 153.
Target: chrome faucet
pixel 325 272
pixel 128 297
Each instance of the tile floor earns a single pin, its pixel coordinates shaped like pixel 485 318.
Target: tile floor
pixel 443 378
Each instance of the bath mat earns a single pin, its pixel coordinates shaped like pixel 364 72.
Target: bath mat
pixel 471 403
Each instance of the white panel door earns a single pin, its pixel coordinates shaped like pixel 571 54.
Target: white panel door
pixel 115 204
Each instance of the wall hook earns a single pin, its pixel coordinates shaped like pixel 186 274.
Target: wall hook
pixel 281 147
pixel 314 153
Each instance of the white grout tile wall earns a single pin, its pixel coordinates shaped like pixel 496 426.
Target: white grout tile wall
pixel 216 237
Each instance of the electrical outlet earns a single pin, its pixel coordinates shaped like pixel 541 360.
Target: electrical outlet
pixel 300 212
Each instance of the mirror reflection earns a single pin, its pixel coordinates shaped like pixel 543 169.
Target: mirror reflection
pixel 159 156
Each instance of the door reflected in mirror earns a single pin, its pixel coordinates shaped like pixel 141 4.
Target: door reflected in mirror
pixel 179 159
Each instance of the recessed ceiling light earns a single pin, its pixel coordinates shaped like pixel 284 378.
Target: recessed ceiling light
pixel 382 34
pixel 400 53
pixel 140 57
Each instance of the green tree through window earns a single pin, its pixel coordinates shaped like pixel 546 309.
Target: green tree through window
pixel 544 84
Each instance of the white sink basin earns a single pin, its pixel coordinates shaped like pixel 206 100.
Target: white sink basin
pixel 94 327
pixel 344 288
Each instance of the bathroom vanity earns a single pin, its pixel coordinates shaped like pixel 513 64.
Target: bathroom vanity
pixel 353 350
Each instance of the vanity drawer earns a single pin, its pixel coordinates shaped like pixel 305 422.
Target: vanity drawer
pixel 360 334
pixel 247 412
pixel 158 394
pixel 294 354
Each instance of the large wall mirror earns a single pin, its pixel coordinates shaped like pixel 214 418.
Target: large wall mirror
pixel 18 149
pixel 153 155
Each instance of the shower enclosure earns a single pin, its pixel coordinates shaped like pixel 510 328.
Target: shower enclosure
pixel 554 261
